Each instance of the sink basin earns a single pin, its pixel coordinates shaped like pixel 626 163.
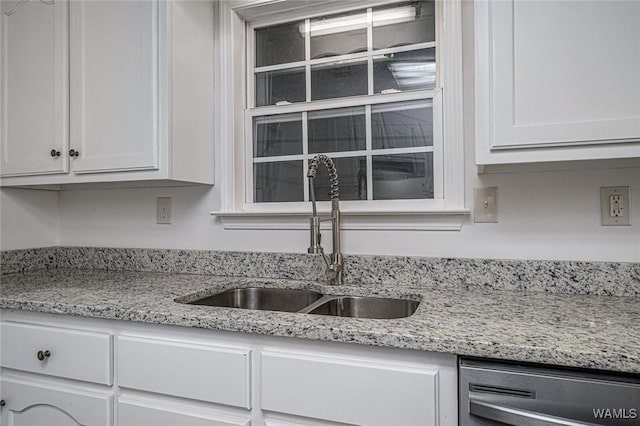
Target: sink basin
pixel 266 299
pixel 366 307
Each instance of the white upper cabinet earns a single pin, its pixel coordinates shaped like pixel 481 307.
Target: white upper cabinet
pixel 135 103
pixel 34 87
pixel 114 85
pixel 556 80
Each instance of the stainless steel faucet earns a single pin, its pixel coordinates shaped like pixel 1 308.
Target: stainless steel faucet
pixel 335 266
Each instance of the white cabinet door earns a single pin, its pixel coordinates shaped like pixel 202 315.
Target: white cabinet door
pixel 561 77
pixel 31 404
pixel 33 87
pixel 114 85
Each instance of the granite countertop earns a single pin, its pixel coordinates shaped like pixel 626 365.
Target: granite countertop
pixel 601 332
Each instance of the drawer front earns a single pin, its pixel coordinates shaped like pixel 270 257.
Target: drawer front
pixel 349 390
pixel 203 372
pixel 73 354
pixel 135 414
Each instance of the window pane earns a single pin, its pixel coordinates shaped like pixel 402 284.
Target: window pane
pixel 279 44
pixel 278 181
pixel 337 130
pixel 339 34
pixel 403 176
pixel 401 25
pixel 337 81
pixel 280 86
pixel 402 125
pixel 352 175
pixel 404 71
pixel 277 135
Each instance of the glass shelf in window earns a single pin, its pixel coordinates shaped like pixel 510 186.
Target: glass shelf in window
pixel 280 87
pixel 340 129
pixel 410 23
pixel 402 124
pixel 337 80
pixel 402 176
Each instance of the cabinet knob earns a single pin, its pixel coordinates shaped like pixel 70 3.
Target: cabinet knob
pixel 55 153
pixel 43 355
pixel 74 153
pixel 2 403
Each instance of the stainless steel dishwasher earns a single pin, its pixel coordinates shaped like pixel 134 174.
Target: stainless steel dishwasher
pixel 493 393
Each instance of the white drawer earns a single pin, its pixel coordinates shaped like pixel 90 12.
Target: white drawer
pixel 349 390
pixel 74 354
pixel 131 413
pixel 203 372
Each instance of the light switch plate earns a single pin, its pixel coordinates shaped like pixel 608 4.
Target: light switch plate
pixel 485 205
pixel 615 205
pixel 163 210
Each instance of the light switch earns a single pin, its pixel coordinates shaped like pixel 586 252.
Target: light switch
pixel 485 205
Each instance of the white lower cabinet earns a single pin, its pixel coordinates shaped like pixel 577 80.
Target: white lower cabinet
pixel 34 403
pixel 153 375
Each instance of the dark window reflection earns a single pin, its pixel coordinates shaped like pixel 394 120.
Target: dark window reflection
pixel 278 86
pixel 279 181
pixel 410 23
pixel 277 135
pixel 279 44
pixel 337 81
pixel 337 130
pixel 352 174
pixel 403 176
pixel 402 125
pixel 404 71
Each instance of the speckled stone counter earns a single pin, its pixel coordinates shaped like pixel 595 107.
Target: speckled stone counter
pixel 550 276
pixel 601 332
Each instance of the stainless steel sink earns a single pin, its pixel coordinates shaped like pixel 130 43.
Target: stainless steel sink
pixel 366 307
pixel 308 302
pixel 266 299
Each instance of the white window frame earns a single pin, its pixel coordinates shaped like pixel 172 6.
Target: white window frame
pixel 445 213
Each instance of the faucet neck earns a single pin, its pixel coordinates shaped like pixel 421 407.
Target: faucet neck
pixel 335 268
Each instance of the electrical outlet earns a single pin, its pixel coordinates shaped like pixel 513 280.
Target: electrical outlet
pixel 615 206
pixel 485 205
pixel 163 210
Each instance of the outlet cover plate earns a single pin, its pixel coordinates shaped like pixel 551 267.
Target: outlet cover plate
pixel 163 210
pixel 485 205
pixel 622 216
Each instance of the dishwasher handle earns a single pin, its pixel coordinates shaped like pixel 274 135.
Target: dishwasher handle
pixel 516 416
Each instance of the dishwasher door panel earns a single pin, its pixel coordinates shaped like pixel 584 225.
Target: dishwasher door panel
pixel 499 394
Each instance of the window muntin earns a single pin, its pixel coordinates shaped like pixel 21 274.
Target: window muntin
pixel 370 109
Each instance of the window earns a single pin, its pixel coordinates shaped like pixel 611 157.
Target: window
pixel 356 86
pixel 364 84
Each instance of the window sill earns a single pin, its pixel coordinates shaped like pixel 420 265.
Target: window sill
pixel 379 220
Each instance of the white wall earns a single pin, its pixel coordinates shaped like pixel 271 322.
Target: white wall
pixel 543 215
pixel 28 218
